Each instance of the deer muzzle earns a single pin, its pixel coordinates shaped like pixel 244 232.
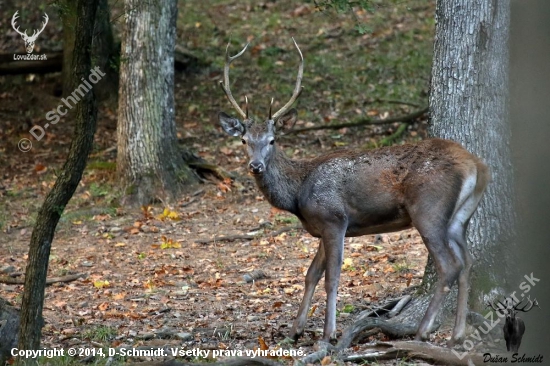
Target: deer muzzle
pixel 256 167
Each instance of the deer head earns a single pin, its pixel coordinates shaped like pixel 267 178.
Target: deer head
pixel 29 40
pixel 259 138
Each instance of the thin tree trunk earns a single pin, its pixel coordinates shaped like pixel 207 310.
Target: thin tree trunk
pixel 64 187
pixel 67 12
pixel 149 162
pixel 103 47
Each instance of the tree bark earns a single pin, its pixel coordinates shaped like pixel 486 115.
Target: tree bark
pixel 67 12
pixel 469 104
pixel 9 326
pixel 103 47
pixel 64 187
pixel 149 162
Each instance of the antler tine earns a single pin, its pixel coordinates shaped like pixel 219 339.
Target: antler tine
pixel 496 308
pixel 44 23
pixel 270 105
pixel 297 88
pixel 529 302
pixel 225 82
pixel 13 23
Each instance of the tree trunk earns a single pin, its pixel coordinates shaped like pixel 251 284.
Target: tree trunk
pixel 104 52
pixel 103 47
pixel 67 12
pixel 9 326
pixel 149 162
pixel 469 104
pixel 64 187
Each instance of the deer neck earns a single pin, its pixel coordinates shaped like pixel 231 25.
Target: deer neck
pixel 281 182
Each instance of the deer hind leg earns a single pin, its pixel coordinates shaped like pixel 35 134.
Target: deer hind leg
pixel 447 269
pixel 314 274
pixel 432 222
pixel 466 206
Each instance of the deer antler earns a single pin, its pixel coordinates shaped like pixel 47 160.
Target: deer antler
pixel 529 303
pixel 35 33
pixel 497 308
pixel 225 83
pixel 13 19
pixel 297 88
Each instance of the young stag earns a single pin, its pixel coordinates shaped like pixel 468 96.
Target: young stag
pixel 434 185
pixel 514 327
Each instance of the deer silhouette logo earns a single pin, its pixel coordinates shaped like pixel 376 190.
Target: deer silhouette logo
pixel 29 40
pixel 514 327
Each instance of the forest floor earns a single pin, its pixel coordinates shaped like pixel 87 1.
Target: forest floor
pixel 156 275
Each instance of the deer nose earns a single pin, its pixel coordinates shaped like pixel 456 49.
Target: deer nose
pixel 256 167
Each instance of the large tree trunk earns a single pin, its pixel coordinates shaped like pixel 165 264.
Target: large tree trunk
pixel 469 104
pixel 64 187
pixel 149 162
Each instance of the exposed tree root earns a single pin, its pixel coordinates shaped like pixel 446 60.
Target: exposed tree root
pixel 414 350
pixel 239 361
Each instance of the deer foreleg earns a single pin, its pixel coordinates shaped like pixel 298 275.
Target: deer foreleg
pixel 314 274
pixel 334 250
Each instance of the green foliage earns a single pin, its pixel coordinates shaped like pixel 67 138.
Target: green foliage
pixel 342 6
pixel 100 333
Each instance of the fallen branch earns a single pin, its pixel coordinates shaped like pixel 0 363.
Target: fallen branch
pixel 213 168
pixel 245 236
pixel 184 60
pixel 49 281
pixel 364 121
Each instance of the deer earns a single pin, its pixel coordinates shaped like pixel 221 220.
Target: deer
pixel 514 327
pixel 29 40
pixel 434 185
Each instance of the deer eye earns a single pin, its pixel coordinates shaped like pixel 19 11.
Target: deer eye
pixel 272 142
pixel 243 141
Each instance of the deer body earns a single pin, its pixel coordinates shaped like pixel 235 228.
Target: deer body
pixel 514 327
pixel 434 185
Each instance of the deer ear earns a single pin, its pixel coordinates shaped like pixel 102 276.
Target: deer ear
pixel 232 126
pixel 287 120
